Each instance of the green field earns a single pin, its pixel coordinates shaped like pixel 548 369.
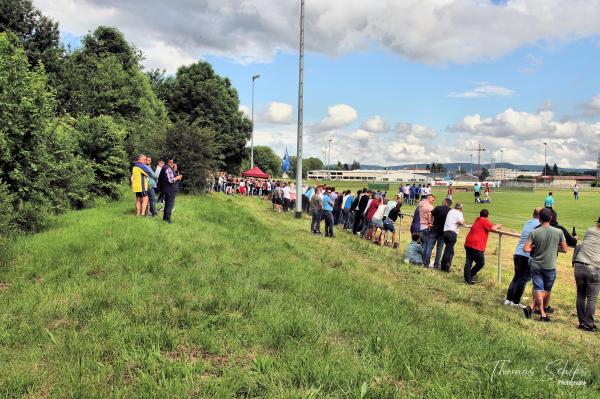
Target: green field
pixel 233 300
pixel 513 208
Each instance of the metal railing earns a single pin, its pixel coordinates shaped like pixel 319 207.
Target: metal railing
pixel 500 233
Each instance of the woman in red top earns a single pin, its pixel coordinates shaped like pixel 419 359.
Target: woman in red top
pixel 375 202
pixel 475 245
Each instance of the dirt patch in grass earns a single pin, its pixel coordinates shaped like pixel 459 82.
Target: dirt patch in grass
pixel 4 286
pixel 96 273
pixel 61 323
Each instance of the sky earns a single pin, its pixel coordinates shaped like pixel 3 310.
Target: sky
pixel 390 82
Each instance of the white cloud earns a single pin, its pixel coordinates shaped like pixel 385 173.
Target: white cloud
pixel 432 31
pixel 278 113
pixel 246 111
pixel 521 134
pixel 420 131
pixel 161 55
pixel 483 90
pixel 338 116
pixel 592 107
pixel 375 124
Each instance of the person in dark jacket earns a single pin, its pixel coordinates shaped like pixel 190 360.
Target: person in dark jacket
pixel 360 210
pixel 168 185
pixel 571 240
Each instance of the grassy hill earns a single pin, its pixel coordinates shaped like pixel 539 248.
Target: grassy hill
pixel 233 300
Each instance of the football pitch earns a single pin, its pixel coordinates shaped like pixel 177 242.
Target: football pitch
pixel 512 208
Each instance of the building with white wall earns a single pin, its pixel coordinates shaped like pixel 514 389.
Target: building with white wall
pixel 379 175
pixel 512 174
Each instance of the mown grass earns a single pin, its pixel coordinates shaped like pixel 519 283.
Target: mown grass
pixel 512 208
pixel 233 300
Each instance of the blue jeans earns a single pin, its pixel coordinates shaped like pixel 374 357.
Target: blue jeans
pixel 436 241
pixel 428 238
pixel 315 225
pixel 328 215
pixel 152 201
pixel 543 279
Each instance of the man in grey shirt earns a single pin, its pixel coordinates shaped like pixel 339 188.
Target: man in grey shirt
pixel 586 261
pixel 543 243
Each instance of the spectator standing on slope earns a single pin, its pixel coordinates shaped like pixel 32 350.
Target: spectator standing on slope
pixel 542 244
pixel 316 209
pixel 151 188
pixel 454 220
pixel 475 245
pixel 436 235
pixel 586 261
pixel 328 203
pixel 521 262
pixel 167 184
pixel 426 222
pixel 139 185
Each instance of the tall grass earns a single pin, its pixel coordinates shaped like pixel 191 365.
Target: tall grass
pixel 233 300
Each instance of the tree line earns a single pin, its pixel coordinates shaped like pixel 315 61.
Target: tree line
pixel 73 120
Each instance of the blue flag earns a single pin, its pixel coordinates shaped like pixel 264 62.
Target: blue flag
pixel 285 164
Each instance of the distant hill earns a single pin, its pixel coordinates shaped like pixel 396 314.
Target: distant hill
pixel 453 167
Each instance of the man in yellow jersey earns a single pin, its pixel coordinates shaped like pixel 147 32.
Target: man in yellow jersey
pixel 139 185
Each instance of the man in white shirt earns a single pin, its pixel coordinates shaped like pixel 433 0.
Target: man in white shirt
pixel 286 198
pixel 406 191
pixel 454 220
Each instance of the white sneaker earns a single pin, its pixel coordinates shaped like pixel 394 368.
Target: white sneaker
pixel 507 302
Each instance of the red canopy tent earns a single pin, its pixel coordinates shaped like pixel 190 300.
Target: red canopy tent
pixel 255 172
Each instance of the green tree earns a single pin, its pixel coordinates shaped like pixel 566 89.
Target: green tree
pixel 197 153
pixel 38 35
pixel 308 164
pixel 555 170
pixel 39 164
pixel 355 165
pixel 266 159
pixel 201 97
pixel 101 143
pixel 346 167
pixel 484 174
pixel 103 77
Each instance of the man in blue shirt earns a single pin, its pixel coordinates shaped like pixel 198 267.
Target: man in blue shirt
pixel 328 213
pixel 549 201
pixel 521 261
pixel 346 205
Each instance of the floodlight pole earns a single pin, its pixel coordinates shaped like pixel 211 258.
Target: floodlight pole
pixel 298 213
pixel 329 160
pixel 254 77
pixel 545 161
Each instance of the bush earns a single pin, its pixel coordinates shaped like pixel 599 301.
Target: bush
pixel 196 153
pixel 101 144
pixel 7 215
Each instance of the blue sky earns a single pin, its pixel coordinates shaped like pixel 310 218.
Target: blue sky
pixel 390 82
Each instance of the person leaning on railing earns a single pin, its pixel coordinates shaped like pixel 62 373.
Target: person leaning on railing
pixel 586 261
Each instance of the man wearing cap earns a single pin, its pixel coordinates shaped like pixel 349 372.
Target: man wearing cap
pixel 542 243
pixel 586 261
pixel 167 184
